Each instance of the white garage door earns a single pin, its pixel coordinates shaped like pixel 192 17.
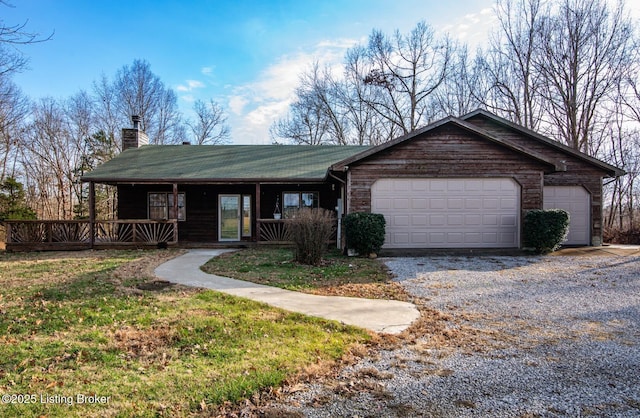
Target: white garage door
pixel 576 201
pixel 448 213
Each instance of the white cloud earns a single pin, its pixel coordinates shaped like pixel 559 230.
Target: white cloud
pixel 338 43
pixel 472 29
pixel 207 70
pixel 237 104
pixel 257 105
pixel 190 85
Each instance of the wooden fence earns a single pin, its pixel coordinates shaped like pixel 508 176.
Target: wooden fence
pixel 34 235
pixel 69 235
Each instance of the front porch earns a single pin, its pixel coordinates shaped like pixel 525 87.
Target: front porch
pixel 59 235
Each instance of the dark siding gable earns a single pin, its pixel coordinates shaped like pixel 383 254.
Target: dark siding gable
pixel 446 151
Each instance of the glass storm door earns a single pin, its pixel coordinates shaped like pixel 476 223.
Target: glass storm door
pixel 229 217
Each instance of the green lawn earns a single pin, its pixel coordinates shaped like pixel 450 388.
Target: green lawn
pixel 77 324
pixel 337 275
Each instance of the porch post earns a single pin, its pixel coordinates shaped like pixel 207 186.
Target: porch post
pixel 257 212
pixel 175 211
pixel 8 232
pixel 92 213
pixel 175 200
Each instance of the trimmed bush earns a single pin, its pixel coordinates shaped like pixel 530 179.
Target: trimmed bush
pixel 310 229
pixel 544 230
pixel 364 232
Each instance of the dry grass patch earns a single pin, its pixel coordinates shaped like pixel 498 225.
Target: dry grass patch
pixel 99 322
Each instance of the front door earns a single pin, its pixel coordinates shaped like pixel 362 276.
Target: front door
pixel 229 217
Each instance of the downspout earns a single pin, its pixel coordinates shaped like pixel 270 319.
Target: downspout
pixel 339 208
pixel 92 214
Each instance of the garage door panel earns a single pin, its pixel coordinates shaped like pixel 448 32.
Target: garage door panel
pixel 399 237
pixel 473 185
pixel 490 237
pixel 455 204
pixel 472 220
pixel 508 220
pixel 491 203
pixel 455 238
pixel 419 203
pixel 490 220
pixel 401 204
pixel 449 213
pixel 473 203
pixel 435 185
pixel 455 185
pixel 421 220
pixel 473 237
pixel 437 203
pixel 508 203
pixel 437 238
pixel 419 237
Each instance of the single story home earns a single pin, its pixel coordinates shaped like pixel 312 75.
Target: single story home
pixel 457 183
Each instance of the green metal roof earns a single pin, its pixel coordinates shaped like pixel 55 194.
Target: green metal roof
pixel 222 162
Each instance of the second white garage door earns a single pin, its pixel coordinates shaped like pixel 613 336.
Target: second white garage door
pixel 577 201
pixel 449 213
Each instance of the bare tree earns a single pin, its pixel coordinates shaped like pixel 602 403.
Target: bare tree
pixel 169 126
pixel 324 92
pixel 407 69
pixel 457 95
pixel 584 52
pixel 136 90
pixel 14 108
pixel 11 36
pixel 79 115
pixel 49 160
pixel 107 119
pixel 13 104
pixel 313 118
pixel 210 124
pixel 506 71
pixel 385 92
pixel 305 125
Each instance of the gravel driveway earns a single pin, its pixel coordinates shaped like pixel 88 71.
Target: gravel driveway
pixel 521 337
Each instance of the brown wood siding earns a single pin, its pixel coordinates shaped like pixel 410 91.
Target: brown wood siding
pixel 270 192
pixel 201 223
pixel 579 172
pixel 448 152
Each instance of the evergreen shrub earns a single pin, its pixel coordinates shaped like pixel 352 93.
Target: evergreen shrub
pixel 544 230
pixel 364 232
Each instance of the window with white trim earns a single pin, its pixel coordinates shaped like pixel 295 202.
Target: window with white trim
pixel 293 201
pixel 160 206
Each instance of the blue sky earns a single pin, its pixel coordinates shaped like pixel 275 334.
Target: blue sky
pixel 244 54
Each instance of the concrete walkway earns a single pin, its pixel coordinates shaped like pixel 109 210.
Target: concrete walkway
pixel 383 316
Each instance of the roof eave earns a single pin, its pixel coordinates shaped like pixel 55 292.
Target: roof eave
pixel 130 180
pixel 343 165
pixel 611 170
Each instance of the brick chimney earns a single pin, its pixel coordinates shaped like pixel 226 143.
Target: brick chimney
pixel 134 137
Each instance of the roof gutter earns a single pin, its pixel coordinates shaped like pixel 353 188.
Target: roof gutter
pixel 291 180
pixel 333 176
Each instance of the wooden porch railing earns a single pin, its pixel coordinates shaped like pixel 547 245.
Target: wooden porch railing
pixel 67 235
pixel 274 231
pixel 64 235
pixel 136 231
